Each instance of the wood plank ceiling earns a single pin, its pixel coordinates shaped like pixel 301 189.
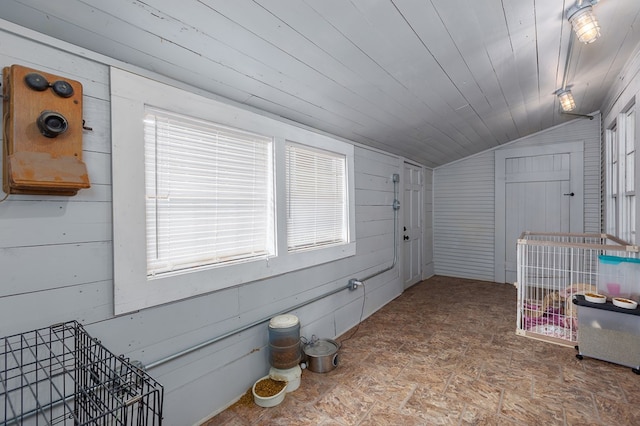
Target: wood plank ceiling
pixel 430 80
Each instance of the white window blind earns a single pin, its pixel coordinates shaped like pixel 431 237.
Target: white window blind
pixel 209 193
pixel 317 209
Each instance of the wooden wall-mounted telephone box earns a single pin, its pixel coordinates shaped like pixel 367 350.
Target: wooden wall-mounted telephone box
pixel 42 125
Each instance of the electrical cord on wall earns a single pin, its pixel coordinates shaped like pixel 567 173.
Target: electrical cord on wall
pixel 364 296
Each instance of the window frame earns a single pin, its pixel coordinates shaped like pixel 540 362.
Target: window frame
pixel 621 167
pixel 611 151
pixel 132 289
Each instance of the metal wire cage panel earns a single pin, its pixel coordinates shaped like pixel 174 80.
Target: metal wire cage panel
pixel 551 269
pixel 61 375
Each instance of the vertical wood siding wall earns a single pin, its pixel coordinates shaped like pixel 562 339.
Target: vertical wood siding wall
pixel 56 259
pixel 464 203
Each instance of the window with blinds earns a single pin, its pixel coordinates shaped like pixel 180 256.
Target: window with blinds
pixel 204 204
pixel 317 209
pixel 209 193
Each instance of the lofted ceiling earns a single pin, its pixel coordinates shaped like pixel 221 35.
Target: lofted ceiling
pixel 430 80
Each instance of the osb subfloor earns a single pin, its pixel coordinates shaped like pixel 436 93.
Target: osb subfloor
pixel 445 353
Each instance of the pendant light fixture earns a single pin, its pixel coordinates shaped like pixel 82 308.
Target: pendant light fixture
pixel 583 21
pixel 567 103
pixel 587 30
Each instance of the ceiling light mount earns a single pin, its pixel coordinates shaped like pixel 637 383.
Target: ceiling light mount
pixel 583 21
pixel 589 116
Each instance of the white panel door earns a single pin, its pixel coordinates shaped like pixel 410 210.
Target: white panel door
pixel 538 193
pixel 538 189
pixel 412 225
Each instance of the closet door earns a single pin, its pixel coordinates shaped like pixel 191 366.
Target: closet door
pixel 538 189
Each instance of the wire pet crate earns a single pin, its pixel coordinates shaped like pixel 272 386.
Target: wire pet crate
pixel 61 375
pixel 551 269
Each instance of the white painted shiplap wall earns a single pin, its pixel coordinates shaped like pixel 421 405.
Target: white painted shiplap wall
pixel 57 264
pixel 56 251
pixel 464 203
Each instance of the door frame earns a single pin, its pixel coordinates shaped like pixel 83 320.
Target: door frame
pixel 576 176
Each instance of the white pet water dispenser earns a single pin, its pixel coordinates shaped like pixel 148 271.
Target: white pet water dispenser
pixel 285 351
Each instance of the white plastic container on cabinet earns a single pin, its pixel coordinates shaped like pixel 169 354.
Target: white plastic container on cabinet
pixel 619 277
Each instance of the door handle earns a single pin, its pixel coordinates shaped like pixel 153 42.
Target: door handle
pixel 570 194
